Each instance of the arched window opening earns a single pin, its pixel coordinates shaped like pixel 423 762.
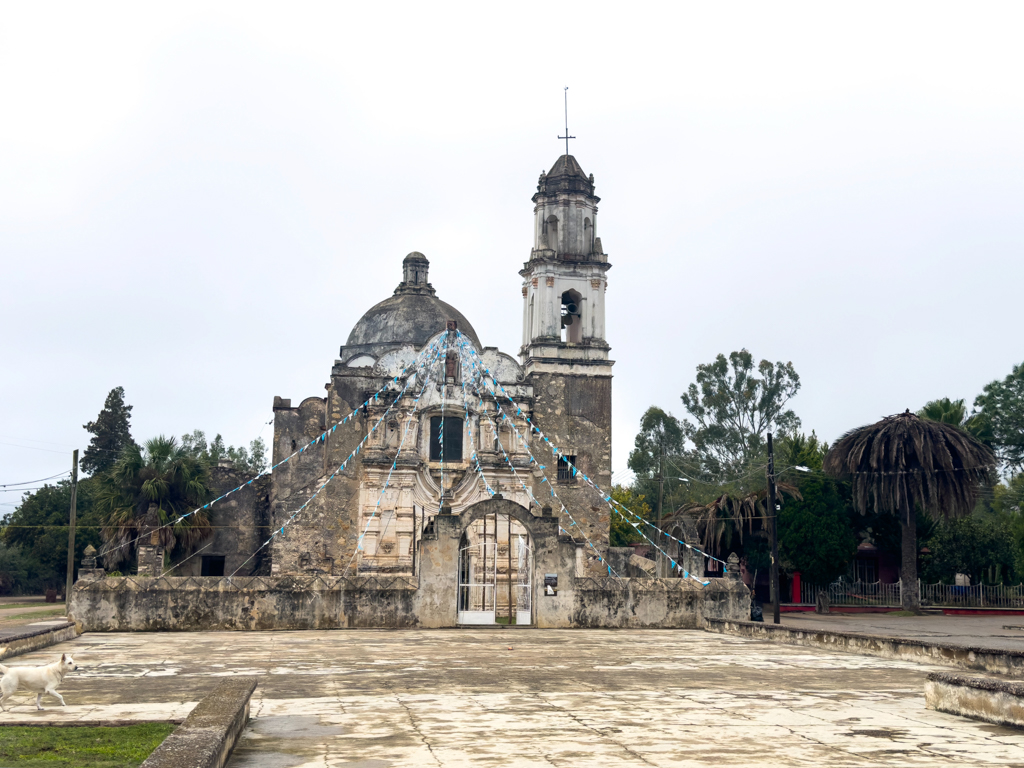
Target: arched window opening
pixel 452 444
pixel 529 322
pixel 572 317
pixel 588 236
pixel 552 232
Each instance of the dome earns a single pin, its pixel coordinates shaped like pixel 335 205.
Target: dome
pixel 411 316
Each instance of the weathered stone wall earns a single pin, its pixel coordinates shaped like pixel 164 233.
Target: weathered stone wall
pixel 240 525
pixel 320 602
pixel 197 603
pixel 656 603
pixel 574 412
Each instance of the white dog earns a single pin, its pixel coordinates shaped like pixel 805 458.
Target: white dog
pixel 38 680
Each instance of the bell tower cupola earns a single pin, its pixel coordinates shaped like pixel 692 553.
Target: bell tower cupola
pixel 565 278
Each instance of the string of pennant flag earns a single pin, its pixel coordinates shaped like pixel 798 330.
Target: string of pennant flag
pixel 394 463
pixel 355 452
pixel 612 504
pixel 494 432
pixel 479 375
pixel 322 436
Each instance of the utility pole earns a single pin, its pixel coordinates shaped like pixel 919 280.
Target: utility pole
pixel 71 530
pixel 773 517
pixel 661 496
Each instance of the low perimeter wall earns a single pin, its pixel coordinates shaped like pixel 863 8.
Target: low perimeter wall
pixel 188 603
pixel 211 730
pixel 286 602
pixel 906 649
pixel 997 701
pixel 656 603
pixel 24 642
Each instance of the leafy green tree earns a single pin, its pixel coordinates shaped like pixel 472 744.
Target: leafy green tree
pixel 816 534
pixel 111 433
pixel 661 430
pixel 733 405
pixel 253 460
pixel 1002 405
pixel 982 549
pixel 622 532
pixel 163 475
pixel 38 531
pixel 14 571
pixel 954 412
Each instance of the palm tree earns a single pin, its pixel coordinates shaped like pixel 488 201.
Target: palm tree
pixel 905 463
pixel 159 482
pixel 728 513
pixel 955 412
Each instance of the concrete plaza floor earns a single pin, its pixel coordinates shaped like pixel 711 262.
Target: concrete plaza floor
pixel 376 699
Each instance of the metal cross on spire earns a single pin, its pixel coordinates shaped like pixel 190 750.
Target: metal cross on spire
pixel 567 136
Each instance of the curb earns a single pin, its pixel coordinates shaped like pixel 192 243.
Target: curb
pixel 903 649
pixel 211 730
pixel 995 701
pixel 25 642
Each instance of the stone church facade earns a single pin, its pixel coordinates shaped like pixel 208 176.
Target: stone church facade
pixel 560 380
pixel 417 493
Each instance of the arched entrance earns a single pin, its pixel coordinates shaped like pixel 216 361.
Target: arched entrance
pixel 496 562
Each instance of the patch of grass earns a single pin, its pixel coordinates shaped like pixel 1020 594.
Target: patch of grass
pixel 40 604
pixel 82 747
pixel 35 615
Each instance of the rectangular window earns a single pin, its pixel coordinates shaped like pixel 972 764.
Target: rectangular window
pixel 213 565
pixel 452 438
pixel 565 469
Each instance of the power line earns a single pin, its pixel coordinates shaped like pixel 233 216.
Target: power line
pixel 40 480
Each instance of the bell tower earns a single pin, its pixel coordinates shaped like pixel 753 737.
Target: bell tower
pixel 565 354
pixel 565 278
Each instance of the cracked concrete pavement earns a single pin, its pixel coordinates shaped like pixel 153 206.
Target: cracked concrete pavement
pixel 378 698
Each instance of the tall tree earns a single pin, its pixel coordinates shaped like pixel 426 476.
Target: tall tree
pixel 1002 405
pixel 162 475
pixel 111 434
pixel 660 430
pixel 904 463
pixel 253 460
pixel 733 404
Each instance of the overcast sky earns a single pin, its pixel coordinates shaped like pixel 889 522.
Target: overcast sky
pixel 198 203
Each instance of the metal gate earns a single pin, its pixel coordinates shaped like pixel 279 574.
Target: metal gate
pixel 477 581
pixel 482 586
pixel 524 594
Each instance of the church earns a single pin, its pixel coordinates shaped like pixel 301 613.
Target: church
pixel 438 482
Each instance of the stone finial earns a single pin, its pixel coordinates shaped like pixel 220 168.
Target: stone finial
pixel 90 551
pixel 732 565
